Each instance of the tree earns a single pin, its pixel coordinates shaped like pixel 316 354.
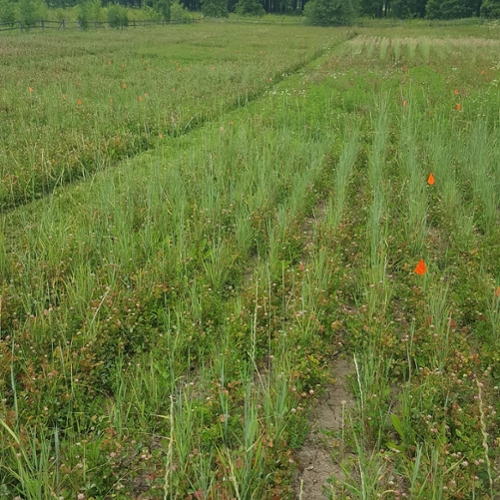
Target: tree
pixel 8 11
pixel 84 14
pixel 96 11
pixel 491 9
pixel 163 8
pixel 117 16
pixel 214 8
pixel 178 12
pixel 373 8
pixel 30 11
pixel 249 8
pixel 330 12
pixel 403 9
pixel 452 9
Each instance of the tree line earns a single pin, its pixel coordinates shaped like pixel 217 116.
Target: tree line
pixel 328 12
pixel 317 12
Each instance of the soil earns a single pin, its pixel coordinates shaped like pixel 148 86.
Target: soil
pixel 315 457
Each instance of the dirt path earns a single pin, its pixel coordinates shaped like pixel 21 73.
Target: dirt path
pixel 315 457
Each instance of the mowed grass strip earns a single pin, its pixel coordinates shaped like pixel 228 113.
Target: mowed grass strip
pixel 82 101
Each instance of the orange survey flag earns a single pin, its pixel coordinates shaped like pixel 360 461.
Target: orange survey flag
pixel 430 179
pixel 497 293
pixel 421 268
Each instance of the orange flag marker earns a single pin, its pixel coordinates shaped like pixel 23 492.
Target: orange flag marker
pixel 497 293
pixel 421 268
pixel 430 179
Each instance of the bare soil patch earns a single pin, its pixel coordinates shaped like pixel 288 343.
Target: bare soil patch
pixel 315 461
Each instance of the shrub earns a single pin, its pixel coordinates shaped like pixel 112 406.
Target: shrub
pixel 249 8
pixel 117 16
pixel 163 8
pixel 214 8
pixel 148 12
pixel 449 9
pixel 84 14
pixel 30 11
pixel 59 14
pixel 8 11
pixel 490 9
pixel 179 13
pixel 330 12
pixel 97 12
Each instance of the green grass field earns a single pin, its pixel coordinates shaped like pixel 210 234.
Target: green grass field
pixel 198 221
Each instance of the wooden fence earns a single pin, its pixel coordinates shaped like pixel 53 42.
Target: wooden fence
pixel 63 25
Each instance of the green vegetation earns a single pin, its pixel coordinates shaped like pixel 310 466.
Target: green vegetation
pixel 316 12
pixel 113 96
pixel 490 9
pixel 214 8
pixel 176 287
pixel 249 8
pixel 330 12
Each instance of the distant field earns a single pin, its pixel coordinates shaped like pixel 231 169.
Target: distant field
pixel 73 103
pixel 167 324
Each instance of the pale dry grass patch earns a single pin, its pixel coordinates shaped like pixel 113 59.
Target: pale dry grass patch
pixel 427 46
